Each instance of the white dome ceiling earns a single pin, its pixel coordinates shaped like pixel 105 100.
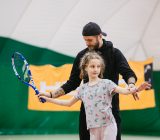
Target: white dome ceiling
pixel 132 25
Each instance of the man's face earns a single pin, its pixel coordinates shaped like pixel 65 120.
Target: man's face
pixel 92 41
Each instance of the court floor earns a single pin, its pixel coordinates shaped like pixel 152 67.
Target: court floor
pixel 67 137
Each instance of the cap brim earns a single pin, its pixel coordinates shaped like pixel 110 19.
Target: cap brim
pixel 104 34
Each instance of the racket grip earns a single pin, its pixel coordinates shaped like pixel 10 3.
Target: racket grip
pixel 41 99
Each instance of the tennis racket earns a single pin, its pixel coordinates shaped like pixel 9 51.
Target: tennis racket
pixel 22 71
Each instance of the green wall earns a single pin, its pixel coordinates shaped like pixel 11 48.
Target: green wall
pixel 15 118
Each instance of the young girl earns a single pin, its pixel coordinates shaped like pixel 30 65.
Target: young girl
pixel 97 97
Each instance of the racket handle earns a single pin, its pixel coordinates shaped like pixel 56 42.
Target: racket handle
pixel 41 99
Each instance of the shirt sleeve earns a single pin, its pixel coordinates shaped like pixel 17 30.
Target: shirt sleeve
pixel 111 86
pixel 78 93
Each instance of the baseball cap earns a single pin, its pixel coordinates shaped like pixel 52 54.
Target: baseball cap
pixel 92 29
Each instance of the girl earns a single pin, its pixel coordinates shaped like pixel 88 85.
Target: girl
pixel 97 97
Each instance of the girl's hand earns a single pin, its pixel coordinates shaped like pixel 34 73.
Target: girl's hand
pixel 44 97
pixel 133 88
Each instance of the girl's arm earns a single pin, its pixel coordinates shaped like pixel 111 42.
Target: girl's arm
pixel 68 102
pixel 121 90
pixel 126 91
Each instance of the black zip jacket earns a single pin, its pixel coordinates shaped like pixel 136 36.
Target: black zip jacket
pixel 115 63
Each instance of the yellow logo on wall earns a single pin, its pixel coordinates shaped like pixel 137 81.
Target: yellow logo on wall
pixel 147 98
pixel 49 78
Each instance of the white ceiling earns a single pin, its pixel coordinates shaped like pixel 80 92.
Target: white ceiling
pixel 132 25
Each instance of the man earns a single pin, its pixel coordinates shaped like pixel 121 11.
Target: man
pixel 115 64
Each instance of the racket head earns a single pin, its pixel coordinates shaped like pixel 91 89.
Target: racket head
pixel 21 67
pixel 22 71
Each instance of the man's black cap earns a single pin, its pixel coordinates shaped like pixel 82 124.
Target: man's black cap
pixel 92 29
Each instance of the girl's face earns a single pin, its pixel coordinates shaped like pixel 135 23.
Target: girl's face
pixel 93 68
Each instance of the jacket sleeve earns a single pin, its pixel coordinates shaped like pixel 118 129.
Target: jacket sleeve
pixel 74 79
pixel 123 67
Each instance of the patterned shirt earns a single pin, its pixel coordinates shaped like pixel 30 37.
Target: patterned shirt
pixel 97 101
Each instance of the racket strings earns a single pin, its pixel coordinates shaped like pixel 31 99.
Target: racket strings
pixel 21 68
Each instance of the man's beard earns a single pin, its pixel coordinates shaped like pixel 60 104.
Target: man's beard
pixel 94 47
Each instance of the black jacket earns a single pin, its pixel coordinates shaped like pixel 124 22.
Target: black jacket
pixel 115 63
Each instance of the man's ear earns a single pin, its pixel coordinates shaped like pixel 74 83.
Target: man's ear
pixel 100 36
pixel 86 69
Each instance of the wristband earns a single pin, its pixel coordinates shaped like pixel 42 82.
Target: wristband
pixel 50 94
pixel 131 83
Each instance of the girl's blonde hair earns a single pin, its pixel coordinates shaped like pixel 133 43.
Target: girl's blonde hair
pixel 85 61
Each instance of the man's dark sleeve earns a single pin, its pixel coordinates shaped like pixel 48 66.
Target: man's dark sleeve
pixel 123 67
pixel 74 79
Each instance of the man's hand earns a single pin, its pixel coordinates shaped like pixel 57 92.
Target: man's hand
pixel 143 86
pixel 52 94
pixel 46 94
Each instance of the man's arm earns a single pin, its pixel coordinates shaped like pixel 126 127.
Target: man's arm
pixel 73 82
pixel 59 92
pixel 124 69
pixel 131 80
pixel 74 79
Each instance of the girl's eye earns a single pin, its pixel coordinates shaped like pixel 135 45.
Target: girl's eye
pixel 92 66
